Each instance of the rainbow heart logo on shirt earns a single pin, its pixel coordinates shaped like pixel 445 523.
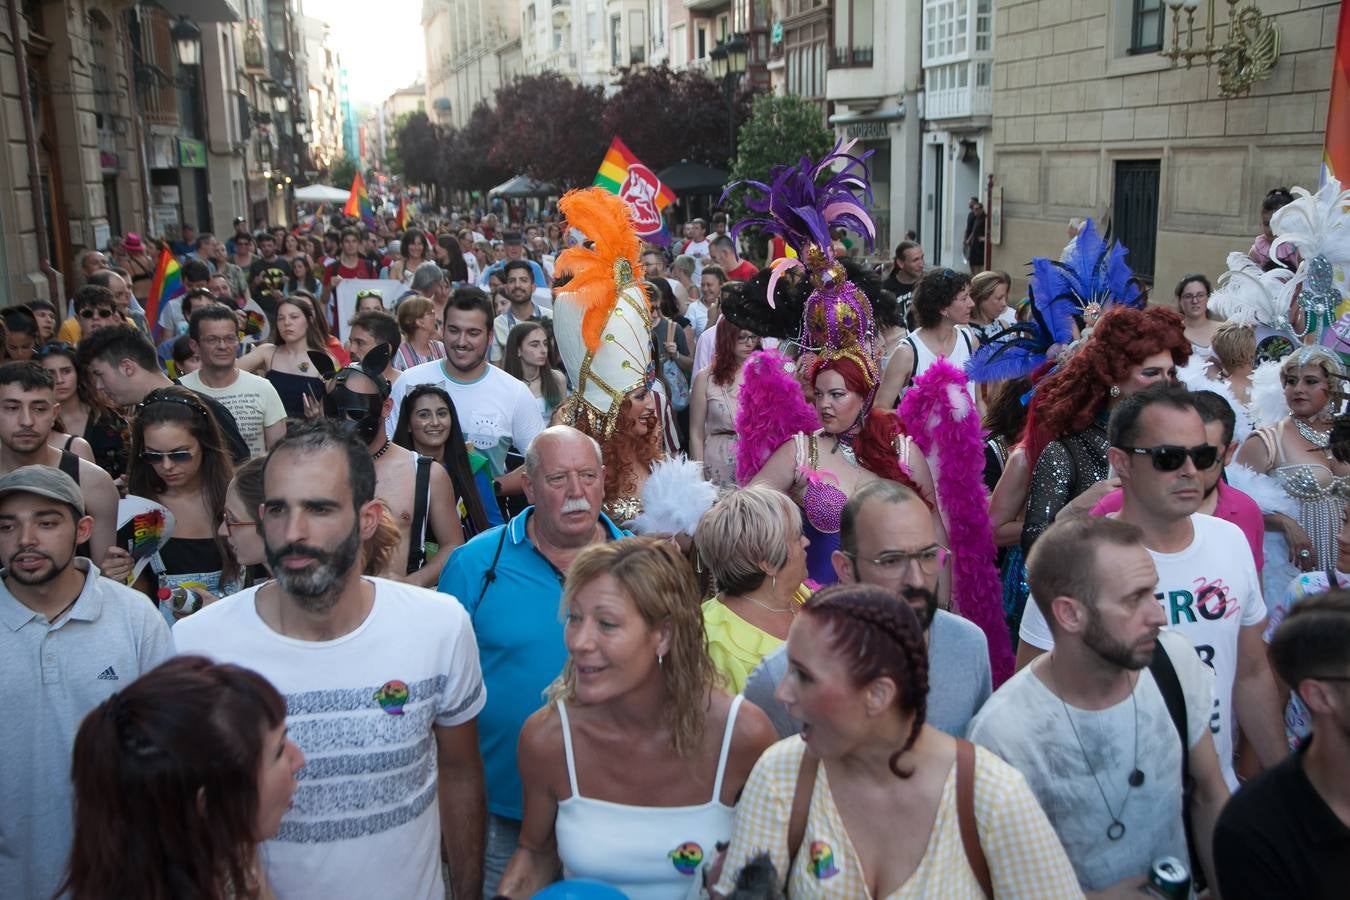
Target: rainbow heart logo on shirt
pixel 391 696
pixel 687 857
pixel 822 860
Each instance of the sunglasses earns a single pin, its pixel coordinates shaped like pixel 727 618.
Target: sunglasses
pixel 369 292
pixel 101 312
pixel 50 347
pixel 158 458
pixel 1169 458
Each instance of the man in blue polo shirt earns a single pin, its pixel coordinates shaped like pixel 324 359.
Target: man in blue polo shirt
pixel 515 250
pixel 510 578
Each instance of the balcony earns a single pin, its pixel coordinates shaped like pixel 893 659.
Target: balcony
pixel 958 90
pixel 850 57
pixel 707 6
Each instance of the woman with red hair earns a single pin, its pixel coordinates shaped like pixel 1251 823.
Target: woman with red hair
pixel 714 400
pixel 855 443
pixel 1065 437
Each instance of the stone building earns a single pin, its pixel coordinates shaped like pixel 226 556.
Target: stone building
pixel 1089 120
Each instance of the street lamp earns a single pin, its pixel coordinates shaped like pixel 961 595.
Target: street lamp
pixel 730 61
pixel 187 42
pixel 280 102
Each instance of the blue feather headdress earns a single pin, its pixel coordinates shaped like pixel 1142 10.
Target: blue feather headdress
pixel 1093 278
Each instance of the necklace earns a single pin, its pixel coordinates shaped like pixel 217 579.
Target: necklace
pixel 380 452
pixel 1116 830
pixel 790 608
pixel 1319 439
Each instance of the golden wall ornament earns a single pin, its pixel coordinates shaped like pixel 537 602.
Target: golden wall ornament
pixel 1248 55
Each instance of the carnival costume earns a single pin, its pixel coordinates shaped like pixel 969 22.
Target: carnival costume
pixel 828 315
pixel 602 324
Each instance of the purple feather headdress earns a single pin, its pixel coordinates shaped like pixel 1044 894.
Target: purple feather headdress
pixel 837 320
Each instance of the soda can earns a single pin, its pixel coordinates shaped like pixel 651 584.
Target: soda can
pixel 1169 877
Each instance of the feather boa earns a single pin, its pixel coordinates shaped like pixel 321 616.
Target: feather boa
pixel 674 498
pixel 771 409
pixel 1195 377
pixel 938 414
pixel 1268 405
pixel 1267 493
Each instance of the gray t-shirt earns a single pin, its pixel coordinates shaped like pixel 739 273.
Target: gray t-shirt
pixel 959 680
pixel 1024 722
pixel 53 675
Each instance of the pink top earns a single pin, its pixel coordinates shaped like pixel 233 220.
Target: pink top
pixel 1232 505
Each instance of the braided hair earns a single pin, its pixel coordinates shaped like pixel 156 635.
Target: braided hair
pixel 878 636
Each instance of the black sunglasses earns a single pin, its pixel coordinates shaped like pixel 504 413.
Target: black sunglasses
pixel 1169 458
pixel 50 347
pixel 156 457
pixel 101 312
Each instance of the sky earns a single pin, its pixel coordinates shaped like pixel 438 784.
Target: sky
pixel 381 44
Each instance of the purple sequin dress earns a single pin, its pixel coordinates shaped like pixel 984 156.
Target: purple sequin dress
pixel 822 506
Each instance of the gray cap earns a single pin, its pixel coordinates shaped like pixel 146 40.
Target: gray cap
pixel 45 481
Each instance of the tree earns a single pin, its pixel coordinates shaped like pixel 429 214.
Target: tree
pixel 466 153
pixel 342 172
pixel 418 146
pixel 780 131
pixel 692 119
pixel 546 130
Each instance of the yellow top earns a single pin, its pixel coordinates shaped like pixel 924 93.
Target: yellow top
pixel 735 645
pixel 1025 856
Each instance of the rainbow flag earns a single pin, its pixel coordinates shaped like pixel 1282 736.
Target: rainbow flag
pixel 358 204
pixel 166 284
pixel 404 218
pixel 622 173
pixel 1336 153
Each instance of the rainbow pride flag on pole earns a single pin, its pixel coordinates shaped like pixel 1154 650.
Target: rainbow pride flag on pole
pixel 358 203
pixel 404 219
pixel 622 173
pixel 1336 152
pixel 166 284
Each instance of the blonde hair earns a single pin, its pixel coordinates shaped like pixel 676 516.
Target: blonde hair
pixel 983 285
pixel 409 311
pixel 746 529
pixel 1314 355
pixel 1234 345
pixel 660 582
pixel 380 548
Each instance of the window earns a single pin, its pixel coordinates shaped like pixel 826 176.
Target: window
pixel 615 40
pixel 679 46
pixel 945 26
pixel 593 28
pixel 1135 212
pixel 701 42
pixel 984 26
pixel 853 28
pixel 637 37
pixel 1146 26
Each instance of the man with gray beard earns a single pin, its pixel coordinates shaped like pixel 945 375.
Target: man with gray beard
pixel 382 688
pixel 510 579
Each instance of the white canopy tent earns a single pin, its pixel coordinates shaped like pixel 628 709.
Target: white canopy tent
pixel 321 193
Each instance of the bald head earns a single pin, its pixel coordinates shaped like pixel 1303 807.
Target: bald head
pixel 554 441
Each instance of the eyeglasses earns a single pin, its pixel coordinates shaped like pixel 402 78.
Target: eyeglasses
pixel 1200 295
pixel 232 523
pixel 1169 458
pixel 158 458
pixel 747 339
pixel 101 312
pixel 219 340
pixel 929 560
pixel 51 347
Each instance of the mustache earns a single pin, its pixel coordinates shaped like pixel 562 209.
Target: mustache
pixel 576 504
pixel 320 555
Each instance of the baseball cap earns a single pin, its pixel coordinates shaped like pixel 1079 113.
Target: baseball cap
pixel 239 220
pixel 512 237
pixel 45 481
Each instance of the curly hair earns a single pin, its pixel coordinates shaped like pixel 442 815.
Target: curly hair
pixel 661 584
pixel 1070 397
pixel 877 638
pixel 875 443
pixel 624 452
pixel 934 293
pixel 725 365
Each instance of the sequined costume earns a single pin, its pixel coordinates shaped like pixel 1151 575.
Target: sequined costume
pixel 822 505
pixel 1320 494
pixel 1067 467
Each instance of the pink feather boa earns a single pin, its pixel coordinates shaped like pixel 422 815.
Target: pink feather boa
pixel 940 417
pixel 771 409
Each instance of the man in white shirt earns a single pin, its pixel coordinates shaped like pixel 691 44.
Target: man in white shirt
pixel 496 412
pixel 254 403
pixel 382 688
pixel 1207 583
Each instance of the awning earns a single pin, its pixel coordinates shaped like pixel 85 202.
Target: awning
pixel 880 115
pixel 693 178
pixel 201 11
pixel 520 186
pixel 321 193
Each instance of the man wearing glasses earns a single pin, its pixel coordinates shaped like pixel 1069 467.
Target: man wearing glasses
pixel 95 308
pixel 253 402
pixel 1207 582
pixel 886 539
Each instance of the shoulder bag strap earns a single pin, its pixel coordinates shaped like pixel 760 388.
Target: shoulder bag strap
pixel 417 535
pixel 491 574
pixel 965 815
pixel 801 803
pixel 1169 685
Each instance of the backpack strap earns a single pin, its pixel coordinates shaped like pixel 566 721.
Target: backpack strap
pixel 801 803
pixel 1169 685
pixel 490 575
pixel 965 815
pixel 417 535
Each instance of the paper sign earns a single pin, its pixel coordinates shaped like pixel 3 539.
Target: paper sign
pixel 143 528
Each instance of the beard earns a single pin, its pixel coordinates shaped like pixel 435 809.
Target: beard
pixel 930 604
pixel 1105 645
pixel 316 588
pixel 38 578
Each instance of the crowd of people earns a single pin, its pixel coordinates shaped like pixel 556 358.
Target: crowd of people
pixel 611 566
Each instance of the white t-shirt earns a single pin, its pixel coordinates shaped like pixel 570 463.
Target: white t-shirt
pixel 1024 722
pixel 1218 569
pixel 495 412
pixel 365 822
pixel 252 400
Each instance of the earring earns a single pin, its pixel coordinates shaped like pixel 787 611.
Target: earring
pixel 660 661
pixel 1115 391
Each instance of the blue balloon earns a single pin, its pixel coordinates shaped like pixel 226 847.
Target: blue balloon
pixel 580 889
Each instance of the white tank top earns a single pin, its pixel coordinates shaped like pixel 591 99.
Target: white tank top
pixel 924 357
pixel 648 852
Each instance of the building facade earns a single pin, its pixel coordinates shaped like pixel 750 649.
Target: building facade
pixel 1089 120
pixel 324 96
pixel 472 48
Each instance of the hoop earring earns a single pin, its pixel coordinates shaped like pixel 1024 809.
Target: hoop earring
pixel 1115 391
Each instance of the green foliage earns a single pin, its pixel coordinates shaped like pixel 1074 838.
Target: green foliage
pixel 342 173
pixel 780 130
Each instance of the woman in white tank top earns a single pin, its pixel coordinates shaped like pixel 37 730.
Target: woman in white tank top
pixel 631 771
pixel 942 307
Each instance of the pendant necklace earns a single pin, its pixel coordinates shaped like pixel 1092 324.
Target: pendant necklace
pixel 1116 830
pixel 1319 439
